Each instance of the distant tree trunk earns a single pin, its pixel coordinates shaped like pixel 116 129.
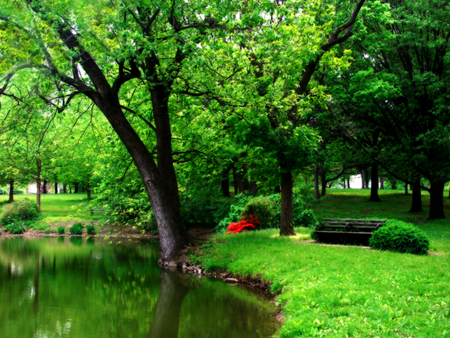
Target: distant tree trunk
pixel 44 189
pixel 436 200
pixel 348 183
pixel 362 179
pixel 323 181
pixel 76 186
pixel 406 188
pixel 225 183
pixel 416 205
pixel 381 183
pixel 252 188
pixel 393 185
pixel 374 184
pixel 38 183
pixel 56 184
pixel 306 182
pixel 11 191
pixel 88 190
pixel 287 184
pixel 344 184
pixel 65 188
pixel 316 182
pixel 70 189
pixel 366 178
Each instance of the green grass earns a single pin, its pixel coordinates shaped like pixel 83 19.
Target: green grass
pixel 354 203
pixel 332 291
pixel 58 207
pixel 337 291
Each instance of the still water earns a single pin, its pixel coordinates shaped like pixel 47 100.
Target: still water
pixel 73 287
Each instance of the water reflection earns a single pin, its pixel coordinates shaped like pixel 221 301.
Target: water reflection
pixel 54 288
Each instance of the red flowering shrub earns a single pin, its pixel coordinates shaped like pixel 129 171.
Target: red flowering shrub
pixel 247 224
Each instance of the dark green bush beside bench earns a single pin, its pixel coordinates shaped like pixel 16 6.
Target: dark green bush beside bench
pixel 346 230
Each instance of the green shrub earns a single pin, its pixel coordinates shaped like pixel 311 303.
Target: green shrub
pixel 61 229
pixel 47 231
pixel 306 218
pixel 16 228
pixel 401 237
pixel 76 229
pixel 262 208
pixel 90 229
pixel 230 211
pixel 19 211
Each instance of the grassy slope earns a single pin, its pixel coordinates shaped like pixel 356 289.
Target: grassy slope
pixel 333 291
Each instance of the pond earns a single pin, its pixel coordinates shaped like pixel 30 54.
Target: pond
pixel 73 287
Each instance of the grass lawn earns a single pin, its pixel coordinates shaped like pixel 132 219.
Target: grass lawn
pixel 336 291
pixel 58 207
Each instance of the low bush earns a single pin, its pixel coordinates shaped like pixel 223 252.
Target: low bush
pixel 91 229
pixel 305 218
pixel 230 212
pixel 76 229
pixel 262 208
pixel 47 231
pixel 401 237
pixel 16 228
pixel 61 230
pixel 19 211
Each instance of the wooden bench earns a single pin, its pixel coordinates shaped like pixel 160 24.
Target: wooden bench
pixel 347 231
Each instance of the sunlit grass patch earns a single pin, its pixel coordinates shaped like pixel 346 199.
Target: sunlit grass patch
pixel 342 291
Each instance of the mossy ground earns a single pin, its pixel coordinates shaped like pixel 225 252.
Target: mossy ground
pixel 338 291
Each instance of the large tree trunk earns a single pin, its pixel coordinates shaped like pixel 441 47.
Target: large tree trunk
pixel 11 191
pixel 38 183
pixel 374 184
pixel 316 182
pixel 436 200
pixel 286 228
pixel 416 205
pixel 323 181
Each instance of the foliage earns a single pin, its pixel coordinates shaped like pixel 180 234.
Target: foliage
pixel 401 237
pixel 244 225
pixel 23 209
pixel 61 230
pixel 91 229
pixel 47 230
pixel 262 208
pixel 16 228
pixel 230 212
pixel 306 218
pixel 76 229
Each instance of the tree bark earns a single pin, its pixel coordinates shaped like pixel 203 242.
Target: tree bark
pixel 38 183
pixel 65 188
pixel 286 228
pixel 323 181
pixel 225 183
pixel 362 180
pixel 11 191
pixel 56 185
pixel 316 182
pixel 436 200
pixel 88 190
pixel 348 183
pixel 374 184
pixel 44 187
pixel 416 204
pixel 76 187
